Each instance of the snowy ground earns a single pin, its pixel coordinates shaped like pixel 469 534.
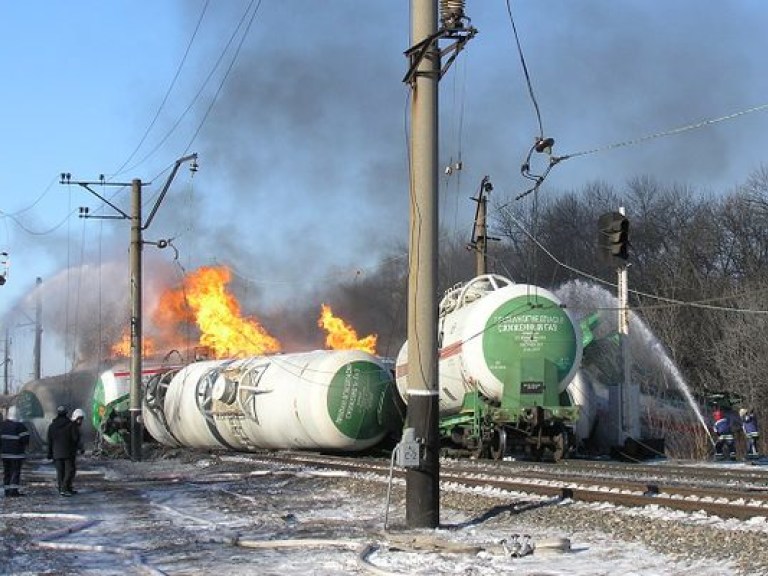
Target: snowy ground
pixel 233 516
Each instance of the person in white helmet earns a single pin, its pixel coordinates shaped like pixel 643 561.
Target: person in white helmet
pixel 77 422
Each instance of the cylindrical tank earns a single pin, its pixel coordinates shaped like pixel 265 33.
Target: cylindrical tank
pixel 332 400
pixel 37 401
pixel 494 333
pixel 582 393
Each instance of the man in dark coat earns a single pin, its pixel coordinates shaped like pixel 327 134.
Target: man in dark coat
pixel 63 440
pixel 14 439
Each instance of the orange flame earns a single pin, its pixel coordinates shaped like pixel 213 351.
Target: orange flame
pixel 341 336
pixel 123 347
pixel 205 300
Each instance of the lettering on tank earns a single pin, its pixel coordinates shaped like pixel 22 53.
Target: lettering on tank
pixel 531 329
pixel 354 398
pixel 354 395
pixel 517 330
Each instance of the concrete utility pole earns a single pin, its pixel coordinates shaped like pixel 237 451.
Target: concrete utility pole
pixel 137 245
pixel 423 483
pixel 38 329
pixel 479 242
pixel 137 430
pixel 7 362
pixel 423 480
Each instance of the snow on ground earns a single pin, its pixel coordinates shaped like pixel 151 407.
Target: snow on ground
pixel 240 517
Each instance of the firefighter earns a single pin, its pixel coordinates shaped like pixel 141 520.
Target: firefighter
pixel 14 439
pixel 749 425
pixel 724 445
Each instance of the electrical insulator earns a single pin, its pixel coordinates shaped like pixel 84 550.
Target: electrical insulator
pixel 452 14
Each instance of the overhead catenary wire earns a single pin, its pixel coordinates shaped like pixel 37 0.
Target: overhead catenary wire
pixel 167 93
pixel 455 167
pixel 528 81
pixel 665 133
pixel 538 145
pixel 227 73
pixel 541 143
pixel 555 160
pixel 703 304
pixel 233 36
pixel 78 293
pixel 36 201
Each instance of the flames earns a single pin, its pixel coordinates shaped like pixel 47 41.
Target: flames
pixel 123 347
pixel 341 336
pixel 204 301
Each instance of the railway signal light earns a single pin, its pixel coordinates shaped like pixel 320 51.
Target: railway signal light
pixel 613 235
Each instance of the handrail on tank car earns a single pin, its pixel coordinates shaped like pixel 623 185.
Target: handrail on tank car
pixel 462 293
pixel 480 286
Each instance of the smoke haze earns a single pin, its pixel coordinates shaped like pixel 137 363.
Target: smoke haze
pixel 303 181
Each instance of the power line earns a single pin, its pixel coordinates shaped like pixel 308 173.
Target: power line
pixel 44 232
pixel 665 133
pixel 525 70
pixel 167 93
pixel 702 304
pixel 229 69
pixel 203 85
pixel 36 201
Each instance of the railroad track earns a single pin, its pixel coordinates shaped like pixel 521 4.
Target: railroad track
pixel 741 502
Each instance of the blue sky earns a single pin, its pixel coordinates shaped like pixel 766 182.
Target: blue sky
pixel 301 137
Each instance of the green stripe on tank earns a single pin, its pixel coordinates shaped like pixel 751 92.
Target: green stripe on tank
pixel 528 328
pixel 357 394
pixel 101 411
pixel 97 406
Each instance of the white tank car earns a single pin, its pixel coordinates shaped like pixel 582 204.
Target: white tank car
pixel 329 400
pixel 582 392
pixel 507 354
pixel 491 332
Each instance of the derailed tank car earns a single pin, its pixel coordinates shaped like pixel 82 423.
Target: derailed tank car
pixel 111 400
pixel 36 402
pixel 322 400
pixel 507 354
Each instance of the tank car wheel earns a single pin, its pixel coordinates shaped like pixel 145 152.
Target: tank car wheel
pixel 560 446
pixel 499 443
pixel 480 451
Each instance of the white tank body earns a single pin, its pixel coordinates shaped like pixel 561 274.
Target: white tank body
pixel 334 400
pixel 582 393
pixel 490 331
